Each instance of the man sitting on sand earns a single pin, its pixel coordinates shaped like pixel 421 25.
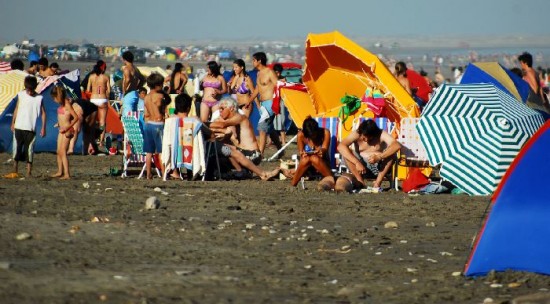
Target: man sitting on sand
pixel 247 153
pixel 374 150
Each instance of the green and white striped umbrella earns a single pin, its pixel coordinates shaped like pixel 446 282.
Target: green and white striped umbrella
pixel 475 131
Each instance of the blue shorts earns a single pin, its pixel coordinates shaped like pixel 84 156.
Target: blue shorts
pixel 266 125
pixel 152 137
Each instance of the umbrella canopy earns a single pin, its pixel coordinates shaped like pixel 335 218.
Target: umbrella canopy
pixel 475 131
pixel 493 72
pixel 11 83
pixel 336 66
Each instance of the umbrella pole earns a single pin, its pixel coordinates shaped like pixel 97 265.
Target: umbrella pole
pixel 283 148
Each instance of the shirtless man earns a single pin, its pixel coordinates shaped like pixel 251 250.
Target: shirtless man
pixel 536 95
pixel 155 112
pixel 43 68
pixel 132 80
pixel 266 82
pixel 375 150
pixel 247 153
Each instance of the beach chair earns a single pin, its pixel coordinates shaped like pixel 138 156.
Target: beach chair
pixel 383 123
pixel 412 153
pixel 133 145
pixel 333 125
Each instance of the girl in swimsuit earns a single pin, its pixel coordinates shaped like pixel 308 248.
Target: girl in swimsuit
pixel 66 119
pixel 87 114
pixel 100 87
pixel 241 86
pixel 313 144
pixel 214 86
pixel 178 79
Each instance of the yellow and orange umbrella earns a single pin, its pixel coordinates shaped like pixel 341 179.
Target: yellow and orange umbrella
pixel 11 83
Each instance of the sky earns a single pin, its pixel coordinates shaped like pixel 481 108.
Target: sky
pixel 161 20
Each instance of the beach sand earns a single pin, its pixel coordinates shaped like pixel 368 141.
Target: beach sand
pixel 90 240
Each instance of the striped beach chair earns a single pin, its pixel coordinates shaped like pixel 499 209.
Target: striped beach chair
pixel 133 144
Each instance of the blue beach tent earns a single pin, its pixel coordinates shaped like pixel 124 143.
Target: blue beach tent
pixel 42 144
pixel 516 232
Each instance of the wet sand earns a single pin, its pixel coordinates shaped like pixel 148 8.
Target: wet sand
pixel 90 241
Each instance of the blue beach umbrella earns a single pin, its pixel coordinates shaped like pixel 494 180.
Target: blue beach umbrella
pixel 475 131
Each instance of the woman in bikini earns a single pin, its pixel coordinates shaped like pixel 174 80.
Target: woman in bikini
pixel 100 87
pixel 178 79
pixel 313 144
pixel 240 86
pixel 213 86
pixel 66 119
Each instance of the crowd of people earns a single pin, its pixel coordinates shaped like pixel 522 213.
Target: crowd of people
pixel 223 112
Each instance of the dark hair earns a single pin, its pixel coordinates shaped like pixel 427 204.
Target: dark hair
pixel 241 64
pixel 526 58
pixel 423 73
pixel 312 131
pixel 214 68
pixel 183 103
pixel 168 66
pixel 277 67
pixel 369 129
pixel 33 63
pixel 17 64
pixel 155 80
pixel 142 89
pixel 401 68
pixel 99 67
pixel 30 83
pixel 43 61
pixel 54 65
pixel 177 69
pixel 261 57
pixel 517 71
pixel 128 56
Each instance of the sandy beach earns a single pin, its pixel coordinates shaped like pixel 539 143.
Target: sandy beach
pixel 90 240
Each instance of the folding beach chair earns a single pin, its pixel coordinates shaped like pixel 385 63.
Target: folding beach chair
pixel 333 125
pixel 412 152
pixel 133 145
pixel 383 123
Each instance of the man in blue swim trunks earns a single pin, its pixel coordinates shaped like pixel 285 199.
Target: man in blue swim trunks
pixel 132 80
pixel 266 82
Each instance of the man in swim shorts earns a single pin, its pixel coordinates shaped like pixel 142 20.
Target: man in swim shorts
pixel 132 80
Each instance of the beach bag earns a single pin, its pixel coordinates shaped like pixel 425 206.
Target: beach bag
pixel 351 104
pixel 415 180
pixel 375 100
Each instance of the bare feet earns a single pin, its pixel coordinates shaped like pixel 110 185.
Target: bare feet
pixel 64 177
pixel 57 174
pixel 269 175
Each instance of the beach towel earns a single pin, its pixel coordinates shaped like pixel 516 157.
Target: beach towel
pixel 276 106
pixel 375 101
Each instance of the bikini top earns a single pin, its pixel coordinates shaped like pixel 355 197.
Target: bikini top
pixel 212 84
pixel 242 89
pixel 61 110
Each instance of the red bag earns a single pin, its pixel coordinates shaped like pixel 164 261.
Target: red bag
pixel 415 180
pixel 86 95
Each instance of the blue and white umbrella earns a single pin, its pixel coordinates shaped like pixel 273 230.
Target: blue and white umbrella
pixel 475 131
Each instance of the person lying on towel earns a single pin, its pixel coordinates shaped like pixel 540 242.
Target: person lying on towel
pixel 374 152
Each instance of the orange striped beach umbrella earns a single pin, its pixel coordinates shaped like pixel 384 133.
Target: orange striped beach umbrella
pixel 11 83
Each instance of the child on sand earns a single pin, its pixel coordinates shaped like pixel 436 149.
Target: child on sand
pixel 155 112
pixel 23 124
pixel 66 119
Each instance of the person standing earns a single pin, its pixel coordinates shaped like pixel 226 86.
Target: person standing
pixel 132 80
pixel 536 94
pixel 280 119
pixel 240 85
pixel 266 82
pixel 23 125
pixel 213 86
pixel 155 112
pixel 178 79
pixel 100 88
